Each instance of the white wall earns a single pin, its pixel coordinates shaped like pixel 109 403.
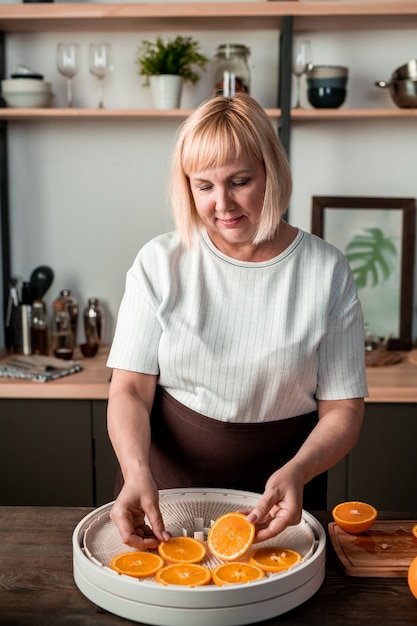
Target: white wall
pixel 86 195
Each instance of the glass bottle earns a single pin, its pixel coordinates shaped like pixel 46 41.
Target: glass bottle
pixel 62 345
pixel 93 322
pixel 232 72
pixel 39 330
pixel 72 306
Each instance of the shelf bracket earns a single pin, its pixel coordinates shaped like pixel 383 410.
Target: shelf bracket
pixel 284 96
pixel 4 205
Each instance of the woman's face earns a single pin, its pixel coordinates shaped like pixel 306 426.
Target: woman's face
pixel 229 202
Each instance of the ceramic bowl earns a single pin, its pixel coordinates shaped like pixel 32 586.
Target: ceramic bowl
pixel 29 100
pixel 326 97
pixel 327 71
pixel 17 85
pixel 337 81
pixel 89 349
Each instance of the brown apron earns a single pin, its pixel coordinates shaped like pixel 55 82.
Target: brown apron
pixel 191 450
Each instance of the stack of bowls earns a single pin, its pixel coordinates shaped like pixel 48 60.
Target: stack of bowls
pixel 326 85
pixel 27 93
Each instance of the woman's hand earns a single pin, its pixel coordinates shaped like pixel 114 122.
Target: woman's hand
pixel 134 502
pixel 280 505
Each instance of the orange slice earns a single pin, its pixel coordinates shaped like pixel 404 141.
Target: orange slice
pixel 274 559
pixel 188 574
pixel 230 536
pixel 137 564
pixel 235 573
pixel 414 530
pixel 182 550
pixel 354 517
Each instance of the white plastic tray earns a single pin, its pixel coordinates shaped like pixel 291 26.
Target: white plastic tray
pixel 96 540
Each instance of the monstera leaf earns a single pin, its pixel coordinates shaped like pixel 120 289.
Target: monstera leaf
pixel 372 257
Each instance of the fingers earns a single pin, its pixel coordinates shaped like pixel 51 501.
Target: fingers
pixel 128 513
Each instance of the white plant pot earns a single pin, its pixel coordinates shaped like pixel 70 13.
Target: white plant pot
pixel 166 91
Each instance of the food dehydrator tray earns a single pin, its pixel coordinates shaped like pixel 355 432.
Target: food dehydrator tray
pixel 96 540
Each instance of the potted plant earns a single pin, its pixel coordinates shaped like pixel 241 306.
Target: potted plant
pixel 167 62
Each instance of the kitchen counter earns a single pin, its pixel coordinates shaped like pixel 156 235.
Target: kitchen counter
pixel 37 586
pixel 92 383
pixel 392 383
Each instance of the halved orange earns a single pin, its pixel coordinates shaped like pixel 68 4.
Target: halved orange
pixel 235 573
pixel 414 530
pixel 354 517
pixel 188 574
pixel 137 564
pixel 412 577
pixel 230 536
pixel 274 559
pixel 182 550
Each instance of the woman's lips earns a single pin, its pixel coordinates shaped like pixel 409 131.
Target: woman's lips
pixel 231 222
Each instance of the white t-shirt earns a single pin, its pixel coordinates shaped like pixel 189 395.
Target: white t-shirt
pixel 240 341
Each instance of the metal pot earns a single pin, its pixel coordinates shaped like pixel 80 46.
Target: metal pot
pixel 409 70
pixel 403 92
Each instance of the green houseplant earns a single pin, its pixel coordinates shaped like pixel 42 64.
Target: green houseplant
pixel 178 56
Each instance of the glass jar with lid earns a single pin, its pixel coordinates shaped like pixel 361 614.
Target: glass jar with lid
pixel 232 72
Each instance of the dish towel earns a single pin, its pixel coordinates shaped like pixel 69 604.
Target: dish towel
pixel 40 369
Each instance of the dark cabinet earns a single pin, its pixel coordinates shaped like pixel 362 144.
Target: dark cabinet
pixel 55 453
pixel 380 467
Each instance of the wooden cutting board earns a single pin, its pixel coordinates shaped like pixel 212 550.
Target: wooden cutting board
pixel 385 550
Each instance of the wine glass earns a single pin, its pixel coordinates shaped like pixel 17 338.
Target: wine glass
pixel 100 63
pixel 301 59
pixel 68 64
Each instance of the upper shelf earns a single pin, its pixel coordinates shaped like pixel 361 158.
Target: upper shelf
pixel 324 15
pixel 297 115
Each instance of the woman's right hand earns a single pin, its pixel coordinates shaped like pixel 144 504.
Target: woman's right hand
pixel 134 503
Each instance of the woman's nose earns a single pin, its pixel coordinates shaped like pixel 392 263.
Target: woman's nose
pixel 223 199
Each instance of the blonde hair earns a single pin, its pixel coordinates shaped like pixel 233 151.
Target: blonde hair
pixel 222 129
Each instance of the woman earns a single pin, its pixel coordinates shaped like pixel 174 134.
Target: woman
pixel 239 351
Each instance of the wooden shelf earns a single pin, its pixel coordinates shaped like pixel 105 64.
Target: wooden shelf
pixel 324 15
pixel 328 115
pixel 297 115
pixel 22 115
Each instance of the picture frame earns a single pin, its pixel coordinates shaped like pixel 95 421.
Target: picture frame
pixel 377 235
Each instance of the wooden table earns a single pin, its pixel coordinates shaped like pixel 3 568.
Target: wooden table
pixel 37 586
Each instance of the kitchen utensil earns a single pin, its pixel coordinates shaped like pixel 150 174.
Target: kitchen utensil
pixel 409 70
pixel 385 550
pixel 403 92
pixel 96 540
pixel 40 280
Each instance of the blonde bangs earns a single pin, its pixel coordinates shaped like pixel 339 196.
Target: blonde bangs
pixel 217 142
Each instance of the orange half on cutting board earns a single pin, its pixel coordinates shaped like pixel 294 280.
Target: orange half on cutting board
pixel 354 517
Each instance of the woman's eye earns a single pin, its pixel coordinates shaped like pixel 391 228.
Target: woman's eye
pixel 239 183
